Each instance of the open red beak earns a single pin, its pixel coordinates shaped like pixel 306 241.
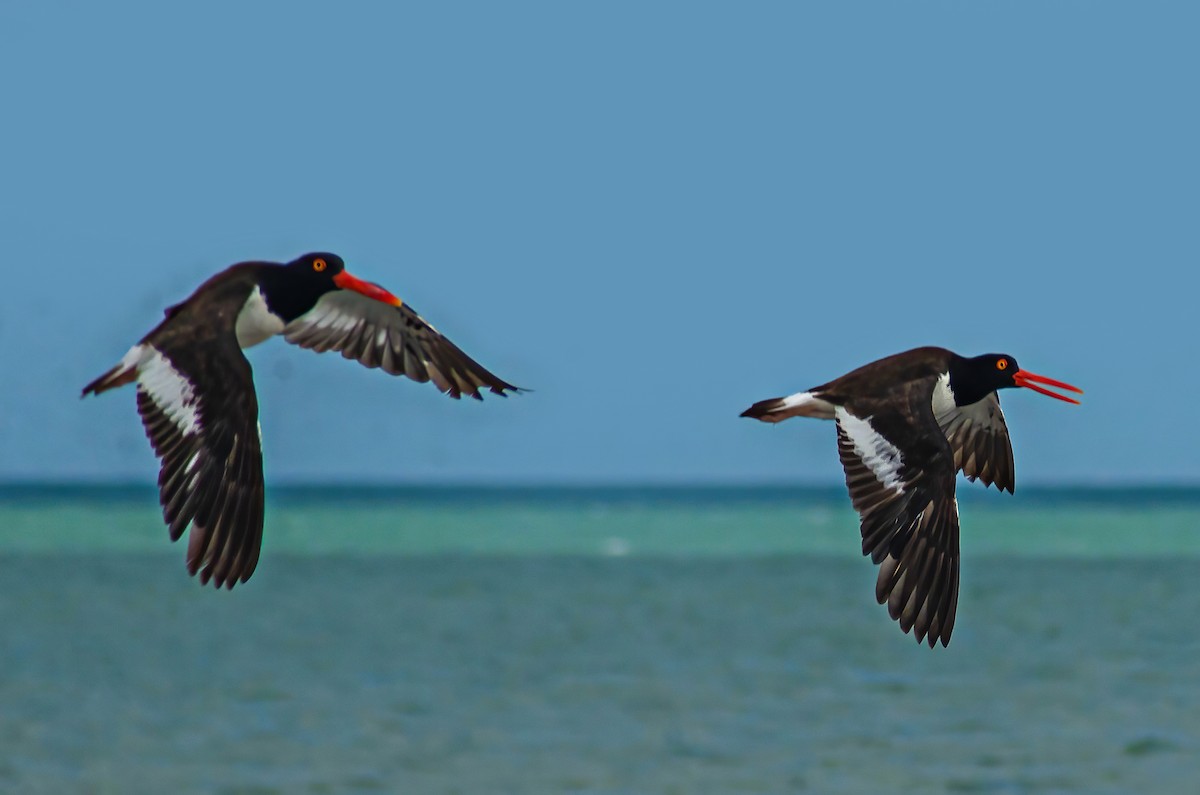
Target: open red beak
pixel 1031 380
pixel 348 282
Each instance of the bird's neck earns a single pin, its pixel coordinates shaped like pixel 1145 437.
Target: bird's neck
pixel 964 384
pixel 287 298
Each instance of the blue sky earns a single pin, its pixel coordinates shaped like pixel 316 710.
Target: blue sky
pixel 653 214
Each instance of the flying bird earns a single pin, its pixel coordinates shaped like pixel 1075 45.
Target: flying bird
pixel 906 424
pixel 195 391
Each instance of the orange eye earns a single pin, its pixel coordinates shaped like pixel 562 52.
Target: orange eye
pixel 318 265
pixel 1002 364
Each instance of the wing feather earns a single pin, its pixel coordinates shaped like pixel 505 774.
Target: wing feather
pixel 394 338
pixel 979 438
pixel 210 477
pixel 908 514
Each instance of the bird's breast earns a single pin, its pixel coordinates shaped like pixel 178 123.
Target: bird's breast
pixel 256 322
pixel 943 396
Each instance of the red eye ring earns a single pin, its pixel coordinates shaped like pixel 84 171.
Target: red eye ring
pixel 1002 364
pixel 318 265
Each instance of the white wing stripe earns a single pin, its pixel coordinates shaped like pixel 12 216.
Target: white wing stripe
pixel 877 453
pixel 170 390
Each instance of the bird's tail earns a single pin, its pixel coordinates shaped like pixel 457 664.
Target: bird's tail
pixel 126 372
pixel 801 404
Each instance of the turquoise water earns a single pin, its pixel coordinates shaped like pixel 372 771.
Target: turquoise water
pixel 596 641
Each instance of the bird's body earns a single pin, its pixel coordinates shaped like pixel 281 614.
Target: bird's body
pixel 195 389
pixel 906 424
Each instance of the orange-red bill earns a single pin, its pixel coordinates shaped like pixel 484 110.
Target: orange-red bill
pixel 1031 380
pixel 348 282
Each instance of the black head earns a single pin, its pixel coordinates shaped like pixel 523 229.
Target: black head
pixel 294 288
pixel 317 268
pixel 973 379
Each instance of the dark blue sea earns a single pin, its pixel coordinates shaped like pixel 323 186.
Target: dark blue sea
pixel 596 640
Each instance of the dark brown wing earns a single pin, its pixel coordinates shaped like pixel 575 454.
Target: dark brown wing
pixel 902 485
pixel 197 402
pixel 979 438
pixel 396 339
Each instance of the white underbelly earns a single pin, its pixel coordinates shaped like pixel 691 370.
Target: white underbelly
pixel 256 322
pixel 943 396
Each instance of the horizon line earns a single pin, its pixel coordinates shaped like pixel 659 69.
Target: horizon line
pixel 1099 482
pixel 597 483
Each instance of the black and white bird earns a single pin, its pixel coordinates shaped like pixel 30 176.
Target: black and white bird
pixel 906 424
pixel 195 392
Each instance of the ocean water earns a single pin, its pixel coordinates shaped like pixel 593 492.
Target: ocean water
pixel 596 641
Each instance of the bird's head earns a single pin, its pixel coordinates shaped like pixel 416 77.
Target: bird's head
pixel 979 375
pixel 323 272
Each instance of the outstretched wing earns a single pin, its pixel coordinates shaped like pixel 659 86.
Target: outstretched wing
pixel 197 402
pixel 903 489
pixel 979 438
pixel 394 338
